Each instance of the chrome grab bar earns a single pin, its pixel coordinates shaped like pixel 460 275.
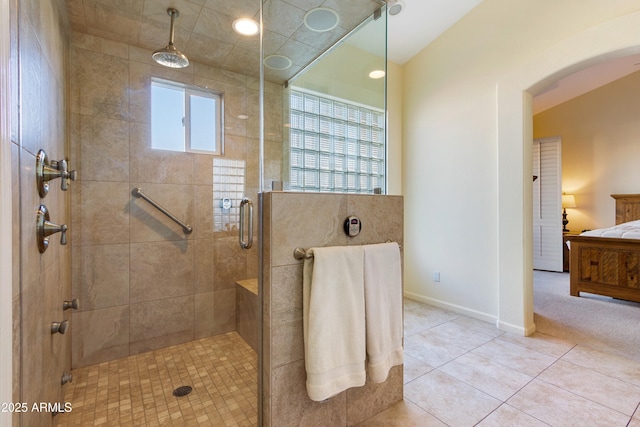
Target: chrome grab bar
pixel 249 242
pixel 137 192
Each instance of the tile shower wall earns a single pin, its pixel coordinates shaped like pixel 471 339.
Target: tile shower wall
pixel 306 220
pixel 41 282
pixel 143 283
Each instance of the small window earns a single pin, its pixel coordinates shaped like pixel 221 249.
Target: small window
pixel 185 118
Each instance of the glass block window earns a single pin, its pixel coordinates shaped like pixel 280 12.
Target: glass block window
pixel 334 145
pixel 228 191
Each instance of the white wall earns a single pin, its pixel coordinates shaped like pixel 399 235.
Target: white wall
pixel 467 145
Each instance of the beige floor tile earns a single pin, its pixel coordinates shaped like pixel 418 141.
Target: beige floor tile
pixel 496 380
pixel 478 367
pixel 138 390
pixel 610 392
pixel 432 349
pixel 443 343
pixel 463 336
pixel 404 414
pixel 558 407
pixel 450 400
pixel 542 343
pixel 605 363
pixel 420 317
pixel 414 368
pixel 486 328
pixel 507 415
pixel 515 356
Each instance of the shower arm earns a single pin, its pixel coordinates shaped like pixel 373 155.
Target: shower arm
pixel 171 31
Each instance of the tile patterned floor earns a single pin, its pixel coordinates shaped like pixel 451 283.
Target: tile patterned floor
pixel 138 390
pixel 458 372
pixel 464 372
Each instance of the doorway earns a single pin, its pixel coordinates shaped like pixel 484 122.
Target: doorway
pixel 514 117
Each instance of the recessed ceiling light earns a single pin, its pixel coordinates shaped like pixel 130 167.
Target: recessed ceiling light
pixel 277 62
pixel 321 19
pixel 376 74
pixel 246 26
pixel 243 117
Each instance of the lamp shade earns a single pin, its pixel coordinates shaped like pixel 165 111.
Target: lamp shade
pixel 568 201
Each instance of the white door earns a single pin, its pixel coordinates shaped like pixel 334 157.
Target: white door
pixel 547 204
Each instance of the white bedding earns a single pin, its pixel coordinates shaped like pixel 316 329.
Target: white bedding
pixel 627 230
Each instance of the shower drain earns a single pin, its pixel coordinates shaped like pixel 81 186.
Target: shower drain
pixel 182 391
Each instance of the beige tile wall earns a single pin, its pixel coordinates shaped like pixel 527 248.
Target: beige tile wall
pixel 41 282
pixel 143 283
pixel 306 220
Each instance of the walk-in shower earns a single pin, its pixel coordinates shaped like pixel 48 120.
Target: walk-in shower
pixel 166 277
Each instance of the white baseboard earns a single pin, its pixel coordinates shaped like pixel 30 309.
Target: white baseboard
pixel 519 330
pixel 452 307
pixel 503 326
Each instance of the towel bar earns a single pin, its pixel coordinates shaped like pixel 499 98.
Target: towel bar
pixel 301 253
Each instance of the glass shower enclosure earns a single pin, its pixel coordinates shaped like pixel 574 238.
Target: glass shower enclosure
pixel 303 110
pixel 323 86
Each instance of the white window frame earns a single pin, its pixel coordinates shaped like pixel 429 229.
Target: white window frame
pixel 188 91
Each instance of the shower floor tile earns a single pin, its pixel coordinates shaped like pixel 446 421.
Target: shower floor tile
pixel 138 390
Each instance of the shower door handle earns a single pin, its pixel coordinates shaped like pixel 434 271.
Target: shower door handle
pixel 243 206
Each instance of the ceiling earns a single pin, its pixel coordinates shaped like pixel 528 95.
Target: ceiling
pixel 203 30
pixel 420 23
pixel 583 81
pixel 203 33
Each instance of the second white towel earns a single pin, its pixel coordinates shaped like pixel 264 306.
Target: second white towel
pixel 383 305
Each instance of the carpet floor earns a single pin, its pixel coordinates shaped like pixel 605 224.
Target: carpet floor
pixel 595 321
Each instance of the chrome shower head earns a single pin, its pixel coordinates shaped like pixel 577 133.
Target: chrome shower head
pixel 170 56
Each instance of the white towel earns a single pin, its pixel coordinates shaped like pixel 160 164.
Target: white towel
pixel 383 302
pixel 334 320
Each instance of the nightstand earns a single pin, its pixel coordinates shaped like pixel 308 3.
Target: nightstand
pixel 565 250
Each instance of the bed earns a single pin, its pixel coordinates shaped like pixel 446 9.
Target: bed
pixel 609 266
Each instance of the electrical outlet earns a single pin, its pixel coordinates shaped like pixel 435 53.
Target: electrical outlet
pixel 436 276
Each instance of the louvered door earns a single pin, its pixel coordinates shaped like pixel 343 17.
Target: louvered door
pixel 547 204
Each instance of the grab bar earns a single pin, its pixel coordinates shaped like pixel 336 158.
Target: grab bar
pixel 249 242
pixel 137 192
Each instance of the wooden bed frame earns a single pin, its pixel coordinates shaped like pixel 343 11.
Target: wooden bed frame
pixel 608 266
